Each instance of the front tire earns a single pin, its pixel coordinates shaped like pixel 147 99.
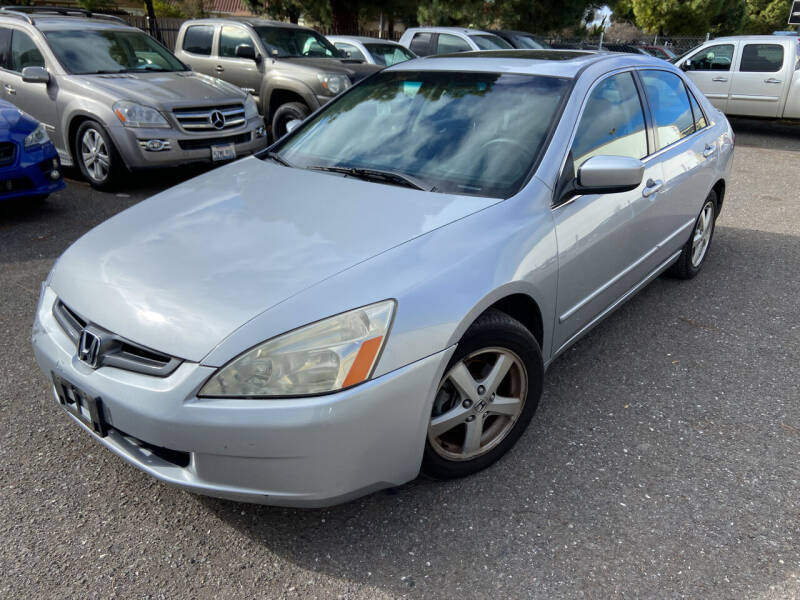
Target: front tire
pixel 285 113
pixel 97 157
pixel 486 398
pixel 696 249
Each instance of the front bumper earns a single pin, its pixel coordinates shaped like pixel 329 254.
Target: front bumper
pixel 177 147
pixel 30 173
pixel 311 452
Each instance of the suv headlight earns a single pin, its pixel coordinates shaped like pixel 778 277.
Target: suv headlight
pixel 250 108
pixel 138 115
pixel 37 137
pixel 333 83
pixel 326 356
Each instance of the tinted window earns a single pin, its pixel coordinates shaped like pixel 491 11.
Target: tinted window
pixel 388 54
pixel 230 37
pixel 198 39
pixel 524 41
pixel 699 117
pixel 761 58
pixel 351 50
pixel 713 58
pixel 421 44
pixel 5 42
pixel 488 41
pixel 448 44
pixel 455 132
pixel 670 102
pixel 290 42
pixel 612 122
pixel 24 52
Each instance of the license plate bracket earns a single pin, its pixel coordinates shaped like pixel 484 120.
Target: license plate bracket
pixel 87 409
pixel 220 152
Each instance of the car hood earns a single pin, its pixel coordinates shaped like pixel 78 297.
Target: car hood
pixel 167 89
pixel 13 120
pixel 181 271
pixel 355 70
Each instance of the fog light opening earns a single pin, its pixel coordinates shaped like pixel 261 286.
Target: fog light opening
pixel 55 174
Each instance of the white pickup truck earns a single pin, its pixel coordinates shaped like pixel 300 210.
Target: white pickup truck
pixel 754 75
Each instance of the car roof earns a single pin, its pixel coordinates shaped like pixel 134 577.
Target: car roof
pixel 55 23
pixel 361 38
pixel 253 21
pixel 464 30
pixel 513 32
pixel 751 38
pixel 555 63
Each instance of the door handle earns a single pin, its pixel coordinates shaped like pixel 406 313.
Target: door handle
pixel 709 150
pixel 219 68
pixel 772 80
pixel 651 187
pixel 720 79
pixel 11 91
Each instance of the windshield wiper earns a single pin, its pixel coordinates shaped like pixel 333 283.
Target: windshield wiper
pixel 380 175
pixel 279 159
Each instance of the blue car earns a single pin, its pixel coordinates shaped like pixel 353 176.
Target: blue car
pixel 29 165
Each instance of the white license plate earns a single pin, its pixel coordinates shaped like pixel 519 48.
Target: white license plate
pixel 223 152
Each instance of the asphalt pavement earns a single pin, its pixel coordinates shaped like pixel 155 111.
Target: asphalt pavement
pixel 664 460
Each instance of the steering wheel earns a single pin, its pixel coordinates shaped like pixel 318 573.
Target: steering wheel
pixel 524 150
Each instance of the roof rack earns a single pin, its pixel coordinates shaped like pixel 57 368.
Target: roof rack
pixel 23 12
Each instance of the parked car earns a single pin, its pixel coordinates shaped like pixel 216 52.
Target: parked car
pixel 29 165
pixel 290 70
pixel 383 290
pixel 374 51
pixel 753 76
pixel 113 99
pixel 660 52
pixel 521 39
pixel 426 41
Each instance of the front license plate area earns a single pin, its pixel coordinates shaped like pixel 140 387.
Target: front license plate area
pixel 88 409
pixel 221 152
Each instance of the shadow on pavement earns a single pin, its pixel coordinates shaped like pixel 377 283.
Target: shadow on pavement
pixel 662 461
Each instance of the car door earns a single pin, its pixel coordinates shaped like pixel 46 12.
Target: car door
pixel 760 81
pixel 36 99
pixel 197 43
pixel 711 68
pixel 243 72
pixel 604 241
pixel 687 155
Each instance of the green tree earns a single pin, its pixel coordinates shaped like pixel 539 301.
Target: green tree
pixel 94 5
pixel 766 16
pixel 317 11
pixel 689 17
pixel 163 8
pixel 543 16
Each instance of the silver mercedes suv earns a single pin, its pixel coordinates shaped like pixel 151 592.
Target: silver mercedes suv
pixel 114 100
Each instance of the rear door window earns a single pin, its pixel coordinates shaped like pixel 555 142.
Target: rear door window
pixel 612 122
pixel 761 58
pixel 449 44
pixel 699 118
pixel 669 100
pixel 421 44
pixel 198 39
pixel 713 58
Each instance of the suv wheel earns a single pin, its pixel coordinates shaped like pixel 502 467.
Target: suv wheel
pixel 96 155
pixel 285 113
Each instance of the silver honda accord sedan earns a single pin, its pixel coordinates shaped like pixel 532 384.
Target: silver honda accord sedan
pixel 382 291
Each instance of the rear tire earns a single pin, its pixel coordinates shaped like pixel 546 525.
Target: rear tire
pixel 96 156
pixel 695 251
pixel 486 398
pixel 284 114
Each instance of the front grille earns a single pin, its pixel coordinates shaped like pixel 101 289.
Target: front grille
pixel 115 351
pixel 8 152
pixel 18 184
pixel 213 118
pixel 208 142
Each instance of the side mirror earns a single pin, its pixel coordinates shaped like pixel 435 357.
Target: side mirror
pixel 604 175
pixel 686 65
pixel 35 75
pixel 292 125
pixel 245 51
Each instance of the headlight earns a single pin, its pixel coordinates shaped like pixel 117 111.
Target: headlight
pixel 37 137
pixel 333 83
pixel 326 356
pixel 250 108
pixel 137 115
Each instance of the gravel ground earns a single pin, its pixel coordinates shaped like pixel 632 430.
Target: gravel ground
pixel 663 461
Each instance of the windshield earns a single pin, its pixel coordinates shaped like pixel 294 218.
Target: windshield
pixel 489 41
pixel 463 133
pixel 84 52
pixel 288 42
pixel 388 54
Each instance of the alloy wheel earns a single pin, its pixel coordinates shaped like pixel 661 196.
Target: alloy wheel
pixel 477 404
pixel 702 234
pixel 95 155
